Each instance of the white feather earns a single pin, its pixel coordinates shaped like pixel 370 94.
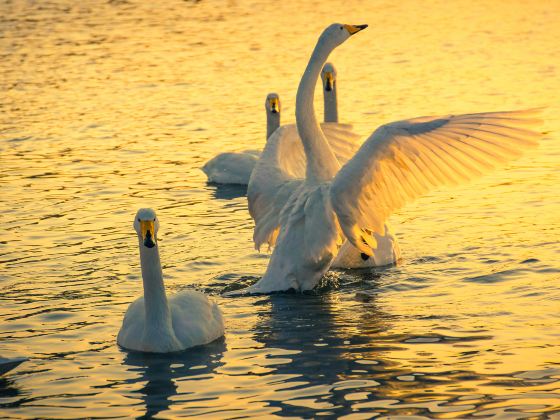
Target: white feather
pixel 403 160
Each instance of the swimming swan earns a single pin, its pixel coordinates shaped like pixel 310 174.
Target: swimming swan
pixel 236 167
pixel 306 219
pixel 156 324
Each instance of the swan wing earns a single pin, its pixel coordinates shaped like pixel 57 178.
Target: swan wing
pixel 286 148
pixel 196 319
pixel 343 141
pixel 277 174
pixel 280 171
pixel 403 160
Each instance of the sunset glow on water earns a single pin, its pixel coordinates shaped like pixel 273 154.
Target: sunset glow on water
pixel 112 106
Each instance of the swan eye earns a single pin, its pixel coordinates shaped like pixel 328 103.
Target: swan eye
pixel 341 28
pixel 138 219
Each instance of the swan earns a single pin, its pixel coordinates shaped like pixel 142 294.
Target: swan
pixel 330 102
pixel 236 167
pixel 156 324
pixel 284 151
pixel 7 364
pixel 306 219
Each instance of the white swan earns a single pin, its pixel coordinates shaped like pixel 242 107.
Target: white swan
pixel 7 364
pixel 155 324
pixel 284 151
pixel 330 100
pixel 236 167
pixel 306 219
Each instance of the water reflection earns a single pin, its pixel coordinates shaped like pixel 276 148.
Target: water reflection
pixel 319 351
pixel 8 389
pixel 160 373
pixel 228 191
pixel 338 352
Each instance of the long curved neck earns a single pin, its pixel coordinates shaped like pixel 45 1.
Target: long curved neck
pixel 322 164
pixel 272 122
pixel 158 315
pixel 331 104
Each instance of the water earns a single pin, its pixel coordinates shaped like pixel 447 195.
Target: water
pixel 110 106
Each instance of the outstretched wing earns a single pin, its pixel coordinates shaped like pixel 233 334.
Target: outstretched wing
pixel 281 170
pixel 402 160
pixel 275 177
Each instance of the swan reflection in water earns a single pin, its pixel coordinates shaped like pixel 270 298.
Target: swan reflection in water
pixel 9 391
pixel 339 353
pixel 161 371
pixel 322 343
pixel 227 191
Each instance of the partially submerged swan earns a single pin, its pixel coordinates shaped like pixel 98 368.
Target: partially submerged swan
pixel 7 364
pixel 236 167
pixel 307 218
pixel 153 323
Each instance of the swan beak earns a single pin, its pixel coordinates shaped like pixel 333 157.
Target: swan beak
pixel 147 229
pixel 329 81
pixel 353 29
pixel 274 105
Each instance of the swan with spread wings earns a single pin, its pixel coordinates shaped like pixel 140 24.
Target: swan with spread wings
pixel 307 218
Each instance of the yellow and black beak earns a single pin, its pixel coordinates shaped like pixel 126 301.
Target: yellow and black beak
pixel 353 29
pixel 148 233
pixel 329 81
pixel 274 105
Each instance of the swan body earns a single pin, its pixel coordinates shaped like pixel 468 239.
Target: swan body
pixel 306 219
pixel 7 364
pixel 236 167
pixel 231 167
pixel 156 324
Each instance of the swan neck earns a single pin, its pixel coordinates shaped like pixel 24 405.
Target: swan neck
pixel 272 122
pixel 158 315
pixel 322 164
pixel 331 104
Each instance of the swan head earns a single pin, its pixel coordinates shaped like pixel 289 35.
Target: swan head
pixel 328 75
pixel 146 226
pixel 337 33
pixel 272 103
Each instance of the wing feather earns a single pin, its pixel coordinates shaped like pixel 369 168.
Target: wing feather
pixel 402 160
pixel 280 171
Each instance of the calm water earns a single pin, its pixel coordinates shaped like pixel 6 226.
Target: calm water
pixel 108 106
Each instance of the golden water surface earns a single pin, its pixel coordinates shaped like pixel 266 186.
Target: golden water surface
pixel 108 106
